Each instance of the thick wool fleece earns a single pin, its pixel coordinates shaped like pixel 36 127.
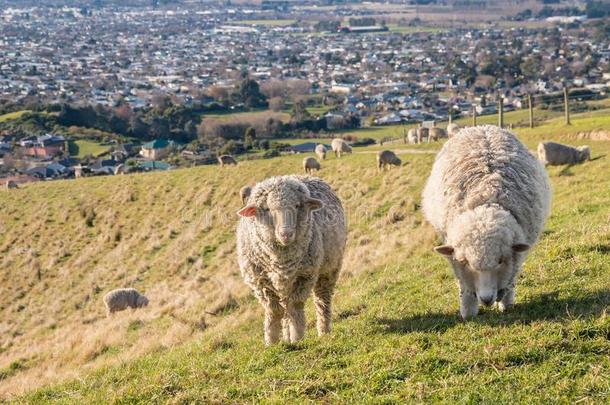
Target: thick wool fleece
pixel 283 277
pixel 123 298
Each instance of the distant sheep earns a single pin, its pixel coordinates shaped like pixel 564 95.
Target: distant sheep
pixel 290 242
pixel 310 164
pixel 489 198
pixel 226 160
pixel 11 185
pixel 434 134
pixel 412 136
pixel 244 193
pixel 452 129
pixel 123 298
pixel 422 133
pixel 387 158
pixel 555 154
pixel 340 147
pixel 321 151
pixel 120 169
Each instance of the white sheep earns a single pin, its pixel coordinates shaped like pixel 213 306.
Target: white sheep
pixel 123 298
pixel 340 147
pixel 244 193
pixel 434 134
pixel 310 164
pixel 412 136
pixel 290 241
pixel 320 151
pixel 452 129
pixel 556 154
pixel 226 160
pixel 489 199
pixel 387 158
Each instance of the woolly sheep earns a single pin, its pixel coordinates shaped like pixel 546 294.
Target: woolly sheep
pixel 226 160
pixel 555 154
pixel 422 133
pixel 340 147
pixel 321 151
pixel 244 193
pixel 387 158
pixel 434 134
pixel 11 184
pixel 123 298
pixel 310 164
pixel 452 129
pixel 489 198
pixel 412 136
pixel 290 242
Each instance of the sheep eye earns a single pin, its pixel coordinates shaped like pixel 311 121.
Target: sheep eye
pixel 501 261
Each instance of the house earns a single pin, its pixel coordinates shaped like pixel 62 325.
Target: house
pixel 154 165
pixel 157 149
pixel 45 146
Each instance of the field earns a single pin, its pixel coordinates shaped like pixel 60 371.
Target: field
pixel 397 336
pixel 12 116
pixel 82 147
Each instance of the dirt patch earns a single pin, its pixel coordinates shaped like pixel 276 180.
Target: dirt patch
pixel 600 135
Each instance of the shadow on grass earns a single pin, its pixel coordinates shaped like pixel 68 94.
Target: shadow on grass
pixel 543 307
pixel 597 158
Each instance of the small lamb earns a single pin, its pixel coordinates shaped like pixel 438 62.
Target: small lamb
pixel 434 134
pixel 290 242
pixel 123 298
pixel 320 151
pixel 310 164
pixel 227 160
pixel 489 198
pixel 556 154
pixel 387 158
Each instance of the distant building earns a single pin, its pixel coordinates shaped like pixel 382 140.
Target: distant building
pixel 44 146
pixel 157 149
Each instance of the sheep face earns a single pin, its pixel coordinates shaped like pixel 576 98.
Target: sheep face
pixel 484 249
pixel 281 213
pixel 141 301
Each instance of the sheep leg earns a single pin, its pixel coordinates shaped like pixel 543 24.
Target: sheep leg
pixel 296 320
pixel 285 329
pixel 273 321
pixel 469 305
pixel 508 299
pixel 322 298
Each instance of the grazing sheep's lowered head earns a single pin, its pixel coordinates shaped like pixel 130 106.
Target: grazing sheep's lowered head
pixel 482 246
pixel 281 208
pixel 585 153
pixel 141 301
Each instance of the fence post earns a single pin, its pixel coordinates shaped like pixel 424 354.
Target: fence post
pixel 566 105
pixel 450 114
pixel 531 108
pixel 501 112
pixel 474 115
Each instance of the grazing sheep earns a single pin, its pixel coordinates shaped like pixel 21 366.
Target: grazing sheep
pixel 244 193
pixel 452 129
pixel 321 151
pixel 226 160
pixel 310 164
pixel 11 185
pixel 387 158
pixel 412 136
pixel 422 133
pixel 340 147
pixel 434 134
pixel 123 298
pixel 290 241
pixel 555 154
pixel 120 169
pixel 489 198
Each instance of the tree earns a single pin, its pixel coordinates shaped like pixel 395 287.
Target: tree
pixel 277 103
pixel 248 92
pixel 299 112
pixel 249 137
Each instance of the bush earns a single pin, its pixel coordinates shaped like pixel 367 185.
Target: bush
pixel 364 142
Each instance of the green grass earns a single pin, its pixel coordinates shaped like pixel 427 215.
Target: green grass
pixel 82 147
pixel 397 336
pixel 13 115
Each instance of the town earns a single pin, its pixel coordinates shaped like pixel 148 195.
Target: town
pixel 180 84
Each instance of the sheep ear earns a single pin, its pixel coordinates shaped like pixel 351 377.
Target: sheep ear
pixel 313 204
pixel 520 247
pixel 247 211
pixel 445 250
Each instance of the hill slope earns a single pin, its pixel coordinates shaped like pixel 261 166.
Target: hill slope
pixel 397 334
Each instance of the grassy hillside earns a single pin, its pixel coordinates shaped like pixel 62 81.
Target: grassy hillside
pixel 397 334
pixel 12 116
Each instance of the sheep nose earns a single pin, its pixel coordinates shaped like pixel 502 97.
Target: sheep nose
pixel 487 300
pixel 285 235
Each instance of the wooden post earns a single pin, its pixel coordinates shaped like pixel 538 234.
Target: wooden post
pixel 450 114
pixel 531 108
pixel 474 115
pixel 501 112
pixel 566 105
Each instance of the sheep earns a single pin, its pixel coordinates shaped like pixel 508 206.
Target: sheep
pixel 488 197
pixel 120 169
pixel 244 193
pixel 387 158
pixel 434 134
pixel 123 298
pixel 421 134
pixel 290 241
pixel 340 147
pixel 452 129
pixel 412 136
pixel 226 160
pixel 11 185
pixel 321 151
pixel 555 154
pixel 310 164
